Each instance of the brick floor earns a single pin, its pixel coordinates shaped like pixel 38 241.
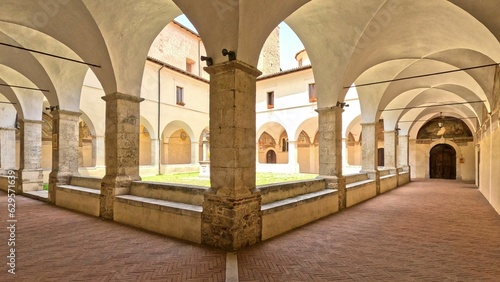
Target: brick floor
pixel 425 231
pixel 54 244
pixel 431 230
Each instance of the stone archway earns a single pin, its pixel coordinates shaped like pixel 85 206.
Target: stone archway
pixel 442 162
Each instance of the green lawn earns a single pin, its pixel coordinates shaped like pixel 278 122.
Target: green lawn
pixel 193 178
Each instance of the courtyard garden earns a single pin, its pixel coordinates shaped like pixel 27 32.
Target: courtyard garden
pixel 193 178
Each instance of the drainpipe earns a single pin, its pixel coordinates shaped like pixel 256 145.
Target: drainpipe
pixel 159 112
pixel 199 57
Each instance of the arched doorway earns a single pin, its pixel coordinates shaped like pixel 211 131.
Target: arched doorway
pixel 271 157
pixel 443 162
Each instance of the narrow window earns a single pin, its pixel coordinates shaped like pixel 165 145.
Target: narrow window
pixel 284 145
pixel 180 96
pixel 312 92
pixel 270 100
pixel 300 63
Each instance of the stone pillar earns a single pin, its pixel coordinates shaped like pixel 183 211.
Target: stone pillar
pixel 155 152
pixel 99 151
pixel 122 148
pixel 390 152
pixel 65 139
pixel 403 152
pixel 231 211
pixel 30 169
pixel 7 150
pixel 369 152
pixel 345 161
pixel 195 153
pixel 293 155
pixel 330 150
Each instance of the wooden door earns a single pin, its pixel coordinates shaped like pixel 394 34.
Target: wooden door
pixel 443 162
pixel 271 157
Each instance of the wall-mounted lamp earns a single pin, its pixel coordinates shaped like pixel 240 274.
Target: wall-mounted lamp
pixel 441 123
pixel 52 108
pixel 342 104
pixel 208 59
pixel 230 54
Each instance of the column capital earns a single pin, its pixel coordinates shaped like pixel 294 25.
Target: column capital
pixel 231 65
pixel 31 121
pixel 368 123
pixel 59 113
pixel 328 109
pixel 8 128
pixel 121 96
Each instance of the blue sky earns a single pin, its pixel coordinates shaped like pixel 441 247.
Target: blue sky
pixel 289 43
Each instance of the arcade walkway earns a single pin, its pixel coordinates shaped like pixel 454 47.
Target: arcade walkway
pixel 425 231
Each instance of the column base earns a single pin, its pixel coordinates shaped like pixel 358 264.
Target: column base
pixel 29 180
pixel 338 183
pixel 57 178
pixel 112 186
pixel 231 223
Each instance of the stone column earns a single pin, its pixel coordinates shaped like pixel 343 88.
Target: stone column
pixel 231 211
pixel 390 152
pixel 155 152
pixel 122 148
pixel 65 139
pixel 7 150
pixel 345 161
pixel 330 150
pixel 403 152
pixel 30 172
pixel 195 153
pixel 369 152
pixel 293 155
pixel 99 151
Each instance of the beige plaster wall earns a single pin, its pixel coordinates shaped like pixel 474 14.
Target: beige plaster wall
pixel 354 154
pixel 486 178
pixel 419 160
pixel 494 196
pixel 174 45
pixel 178 149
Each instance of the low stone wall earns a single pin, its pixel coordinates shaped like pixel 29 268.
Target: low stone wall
pixel 359 188
pixel 360 192
pixel 81 199
pixel 169 209
pixel 355 177
pixel 388 182
pixel 82 195
pixel 89 182
pixel 276 192
pixel 188 194
pixel 168 218
pixel 404 177
pixel 286 206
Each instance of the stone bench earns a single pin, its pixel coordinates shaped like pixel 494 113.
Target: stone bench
pixel 288 205
pixel 388 182
pixel 169 209
pixel 82 195
pixel 404 177
pixel 359 188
